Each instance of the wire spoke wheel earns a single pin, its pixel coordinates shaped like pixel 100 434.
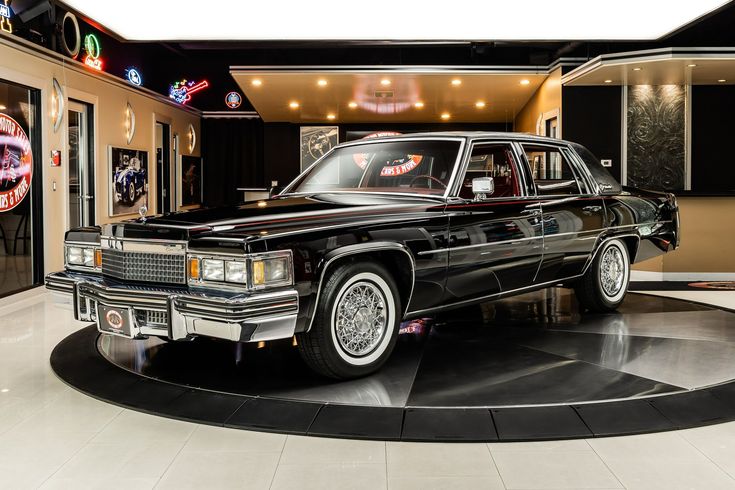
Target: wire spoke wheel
pixel 612 271
pixel 361 319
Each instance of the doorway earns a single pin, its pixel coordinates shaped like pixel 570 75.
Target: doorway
pixel 81 164
pixel 163 166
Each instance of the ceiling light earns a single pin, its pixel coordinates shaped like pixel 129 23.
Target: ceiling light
pixel 567 21
pixel 331 117
pixel 446 116
pixel 294 105
pixel 525 82
pixel 419 105
pixel 479 104
pixel 637 68
pixel 257 82
pixel 385 82
pixel 456 82
pixel 352 105
pixel 722 80
pixel 321 82
pixel 3 107
pixel 608 81
pixel 692 65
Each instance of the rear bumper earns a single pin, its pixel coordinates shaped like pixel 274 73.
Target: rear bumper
pixel 181 313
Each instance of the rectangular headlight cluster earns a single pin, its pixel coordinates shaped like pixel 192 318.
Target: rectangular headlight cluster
pixel 83 256
pixel 253 271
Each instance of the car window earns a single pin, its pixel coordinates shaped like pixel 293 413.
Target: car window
pixel 492 160
pixel 411 166
pixel 551 171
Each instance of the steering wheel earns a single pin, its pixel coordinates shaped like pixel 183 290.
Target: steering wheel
pixel 428 177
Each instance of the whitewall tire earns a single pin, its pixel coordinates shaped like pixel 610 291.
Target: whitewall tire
pixel 604 285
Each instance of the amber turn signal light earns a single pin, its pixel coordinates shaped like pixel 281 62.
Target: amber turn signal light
pixel 98 258
pixel 194 268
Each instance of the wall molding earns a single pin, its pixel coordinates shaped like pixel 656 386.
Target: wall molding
pixel 643 276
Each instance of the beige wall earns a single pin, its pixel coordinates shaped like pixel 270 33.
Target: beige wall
pixel 707 238
pixel 546 101
pixel 109 96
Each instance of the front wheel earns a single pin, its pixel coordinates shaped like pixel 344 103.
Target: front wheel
pixel 356 322
pixel 603 287
pixel 131 193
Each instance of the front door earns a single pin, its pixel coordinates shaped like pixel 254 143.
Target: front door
pixel 573 217
pixel 495 244
pixel 81 165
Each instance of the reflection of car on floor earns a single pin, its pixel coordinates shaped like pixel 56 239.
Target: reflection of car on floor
pixel 130 182
pixel 376 232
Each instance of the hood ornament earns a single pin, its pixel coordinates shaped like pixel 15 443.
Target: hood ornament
pixel 142 211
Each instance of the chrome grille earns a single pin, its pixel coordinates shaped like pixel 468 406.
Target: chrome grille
pixel 144 266
pixel 151 318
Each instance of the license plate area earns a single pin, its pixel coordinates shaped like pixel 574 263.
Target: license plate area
pixel 116 320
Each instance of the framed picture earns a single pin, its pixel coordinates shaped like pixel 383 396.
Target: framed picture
pixel 316 141
pixel 191 181
pixel 128 180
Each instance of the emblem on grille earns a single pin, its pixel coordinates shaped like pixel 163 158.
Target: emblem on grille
pixel 142 211
pixel 114 319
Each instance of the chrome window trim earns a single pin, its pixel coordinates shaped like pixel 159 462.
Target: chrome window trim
pixel 573 163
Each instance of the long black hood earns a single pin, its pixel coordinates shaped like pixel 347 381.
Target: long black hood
pixel 258 218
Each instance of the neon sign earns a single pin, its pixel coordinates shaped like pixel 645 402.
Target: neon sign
pixel 5 13
pixel 181 91
pixel 233 100
pixel 134 76
pixel 93 50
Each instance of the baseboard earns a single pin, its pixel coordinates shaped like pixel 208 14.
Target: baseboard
pixel 681 276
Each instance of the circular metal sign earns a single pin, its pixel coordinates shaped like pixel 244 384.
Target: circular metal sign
pixel 16 163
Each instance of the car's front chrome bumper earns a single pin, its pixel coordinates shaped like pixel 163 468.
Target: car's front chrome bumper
pixel 181 313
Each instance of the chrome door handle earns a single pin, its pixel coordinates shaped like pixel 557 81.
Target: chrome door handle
pixel 591 209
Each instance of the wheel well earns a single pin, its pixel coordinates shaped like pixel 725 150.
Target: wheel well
pixel 631 243
pixel 397 263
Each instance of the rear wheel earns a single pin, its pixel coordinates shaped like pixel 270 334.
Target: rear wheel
pixel 131 193
pixel 356 322
pixel 603 287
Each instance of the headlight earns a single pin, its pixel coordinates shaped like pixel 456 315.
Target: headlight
pixel 257 271
pixel 269 271
pixel 213 270
pixel 236 271
pixel 83 256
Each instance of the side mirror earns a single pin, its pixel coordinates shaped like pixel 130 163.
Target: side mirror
pixel 482 187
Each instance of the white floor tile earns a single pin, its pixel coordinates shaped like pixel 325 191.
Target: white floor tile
pixel 231 469
pixel 135 427
pixel 207 438
pixel 438 459
pixel 716 442
pixel 445 483
pixel 319 476
pixel 322 450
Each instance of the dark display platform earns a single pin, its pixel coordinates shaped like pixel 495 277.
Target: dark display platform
pixel 525 368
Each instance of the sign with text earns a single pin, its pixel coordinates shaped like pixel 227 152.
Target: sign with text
pixel 16 163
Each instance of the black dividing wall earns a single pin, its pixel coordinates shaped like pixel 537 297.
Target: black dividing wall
pixel 713 124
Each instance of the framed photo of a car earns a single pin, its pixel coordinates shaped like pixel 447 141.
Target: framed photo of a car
pixel 316 141
pixel 128 179
pixel 191 181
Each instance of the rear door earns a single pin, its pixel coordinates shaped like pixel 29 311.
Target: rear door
pixel 573 215
pixel 495 244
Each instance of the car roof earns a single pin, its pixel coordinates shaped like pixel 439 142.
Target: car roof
pixel 469 135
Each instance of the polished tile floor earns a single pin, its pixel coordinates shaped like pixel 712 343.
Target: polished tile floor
pixel 54 437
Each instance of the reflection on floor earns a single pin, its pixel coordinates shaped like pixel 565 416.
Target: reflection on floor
pixel 53 437
pixel 528 350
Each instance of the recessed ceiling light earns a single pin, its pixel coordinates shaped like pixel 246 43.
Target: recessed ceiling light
pixel 385 82
pixel 456 82
pixel 525 82
pixel 419 105
pixel 352 105
pixel 446 116
pixel 331 117
pixel 479 104
pixel 722 80
pixel 637 68
pixel 692 65
pixel 257 82
pixel 608 81
pixel 294 105
pixel 321 82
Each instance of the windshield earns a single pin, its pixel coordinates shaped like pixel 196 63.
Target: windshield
pixel 414 166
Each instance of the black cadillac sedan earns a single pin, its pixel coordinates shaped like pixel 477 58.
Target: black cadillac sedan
pixel 376 232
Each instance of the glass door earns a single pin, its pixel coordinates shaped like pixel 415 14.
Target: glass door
pixel 81 168
pixel 163 166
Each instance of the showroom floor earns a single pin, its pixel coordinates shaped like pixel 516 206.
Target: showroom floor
pixel 54 437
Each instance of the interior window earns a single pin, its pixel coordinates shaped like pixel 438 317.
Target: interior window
pixel 496 161
pixel 551 171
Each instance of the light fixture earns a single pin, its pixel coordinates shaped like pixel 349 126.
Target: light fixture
pixel 637 68
pixel 192 135
pixel 419 105
pixel 385 82
pixel 352 105
pixel 480 104
pixel 331 117
pixel 692 65
pixel 129 123
pixel 456 82
pixel 3 107
pixel 525 82
pixel 722 80
pixel 321 82
pixel 57 104
pixel 608 81
pixel 446 116
pixel 257 82
pixel 293 105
